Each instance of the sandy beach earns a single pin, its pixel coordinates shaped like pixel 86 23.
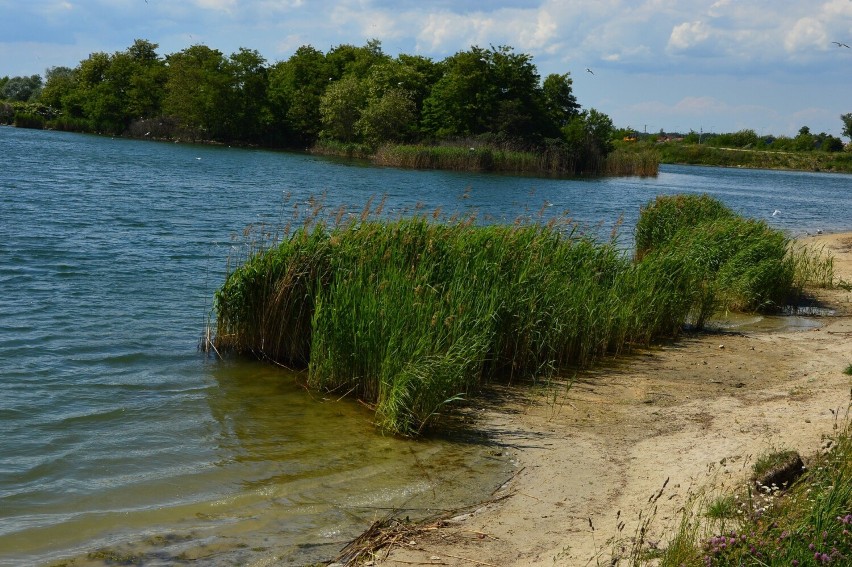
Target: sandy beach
pixel 599 455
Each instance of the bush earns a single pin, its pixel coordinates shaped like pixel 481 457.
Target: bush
pixel 29 120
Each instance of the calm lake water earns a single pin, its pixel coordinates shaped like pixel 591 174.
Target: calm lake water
pixel 118 437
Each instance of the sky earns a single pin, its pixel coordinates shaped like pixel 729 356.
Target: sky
pixel 672 65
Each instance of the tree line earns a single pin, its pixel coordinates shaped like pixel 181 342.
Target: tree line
pixel 349 94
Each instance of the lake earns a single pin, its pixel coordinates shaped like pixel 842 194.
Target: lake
pixel 119 439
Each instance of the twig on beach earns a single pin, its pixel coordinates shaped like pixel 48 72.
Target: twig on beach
pixel 385 534
pixel 510 479
pixel 471 560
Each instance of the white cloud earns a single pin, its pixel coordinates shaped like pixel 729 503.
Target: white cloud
pixel 842 8
pixel 807 32
pixel 539 34
pixel 688 35
pixel 717 6
pixel 226 6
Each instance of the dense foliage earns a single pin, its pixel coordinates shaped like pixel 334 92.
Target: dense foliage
pixel 413 314
pixel 350 95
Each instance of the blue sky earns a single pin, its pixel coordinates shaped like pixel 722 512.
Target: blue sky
pixel 711 65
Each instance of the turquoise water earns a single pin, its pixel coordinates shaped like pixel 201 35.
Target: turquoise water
pixel 118 436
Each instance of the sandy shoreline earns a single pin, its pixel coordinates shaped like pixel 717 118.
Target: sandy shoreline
pixel 688 415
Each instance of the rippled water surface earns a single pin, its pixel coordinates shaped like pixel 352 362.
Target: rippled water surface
pixel 118 437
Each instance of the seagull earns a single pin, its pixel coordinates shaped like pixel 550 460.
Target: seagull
pixel 776 212
pixel 838 44
pixel 589 71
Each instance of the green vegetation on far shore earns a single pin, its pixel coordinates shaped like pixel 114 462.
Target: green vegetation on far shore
pixel 693 154
pixel 350 100
pixel 804 152
pixel 553 161
pixel 414 315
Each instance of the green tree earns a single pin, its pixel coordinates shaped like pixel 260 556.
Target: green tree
pixel 21 89
pixel 599 130
pixel 146 87
pixel 59 83
pixel 463 101
pixel 493 91
pixel 295 89
pixel 197 89
pixel 348 59
pixel 560 103
pixel 588 137
pixel 107 92
pixel 804 141
pixel 340 108
pixel 247 109
pixel 388 118
pixel 521 104
pixel 93 99
pixel 847 125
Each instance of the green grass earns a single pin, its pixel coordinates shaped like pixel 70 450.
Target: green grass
pixel 809 524
pixel 722 508
pixel 414 315
pixel 695 154
pixel 848 370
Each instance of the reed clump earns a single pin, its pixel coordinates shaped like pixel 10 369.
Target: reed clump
pixel 730 262
pixel 549 161
pixel 413 314
pixel 644 163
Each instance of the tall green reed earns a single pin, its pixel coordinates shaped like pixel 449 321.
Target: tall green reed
pixel 413 314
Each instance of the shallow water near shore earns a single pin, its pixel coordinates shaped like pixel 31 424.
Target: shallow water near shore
pixel 289 475
pixel 120 441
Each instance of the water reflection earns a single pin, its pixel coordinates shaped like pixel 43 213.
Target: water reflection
pixel 755 322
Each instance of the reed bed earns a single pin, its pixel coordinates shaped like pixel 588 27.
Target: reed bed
pixel 411 315
pixel 549 161
pixel 644 163
pixel 733 263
